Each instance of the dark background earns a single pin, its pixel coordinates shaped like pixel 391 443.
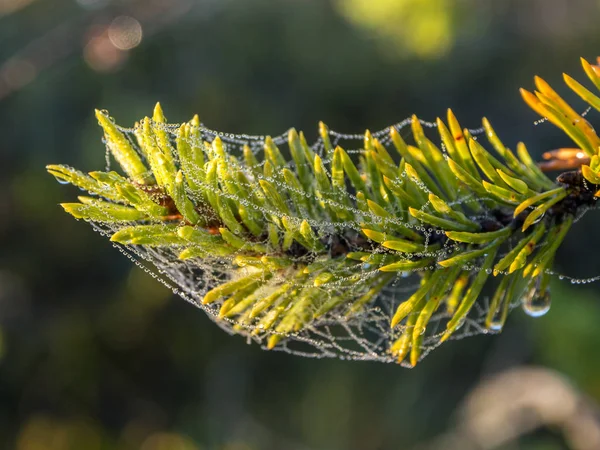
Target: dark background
pixel 95 354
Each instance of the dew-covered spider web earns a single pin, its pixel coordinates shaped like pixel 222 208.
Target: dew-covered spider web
pixel 343 319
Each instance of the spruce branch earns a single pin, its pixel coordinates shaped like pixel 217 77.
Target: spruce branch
pixel 313 239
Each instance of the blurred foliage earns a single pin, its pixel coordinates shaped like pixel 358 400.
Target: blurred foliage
pixel 413 27
pixel 99 355
pixel 569 334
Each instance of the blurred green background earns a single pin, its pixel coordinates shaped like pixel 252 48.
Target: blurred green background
pixel 95 354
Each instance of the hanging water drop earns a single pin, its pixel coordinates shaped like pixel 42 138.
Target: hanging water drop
pixel 496 324
pixel 536 304
pixel 538 219
pixel 61 180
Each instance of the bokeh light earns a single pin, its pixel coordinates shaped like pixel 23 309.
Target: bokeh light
pixel 125 32
pixel 100 53
pixel 17 73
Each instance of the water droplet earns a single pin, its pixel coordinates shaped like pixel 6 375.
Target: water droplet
pixel 538 219
pixel 536 304
pixel 61 180
pixel 496 324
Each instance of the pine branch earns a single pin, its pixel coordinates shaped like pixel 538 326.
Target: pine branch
pixel 321 235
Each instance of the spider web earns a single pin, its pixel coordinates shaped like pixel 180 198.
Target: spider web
pixel 364 334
